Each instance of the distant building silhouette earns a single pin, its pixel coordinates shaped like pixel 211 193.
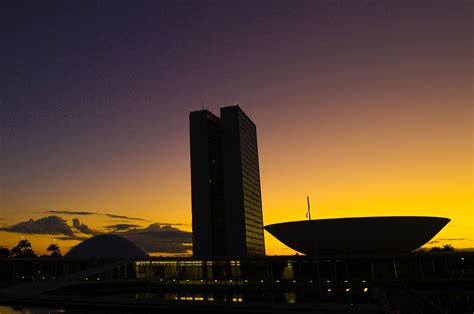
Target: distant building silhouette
pixel 225 184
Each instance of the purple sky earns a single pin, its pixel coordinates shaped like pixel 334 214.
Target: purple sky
pixel 98 92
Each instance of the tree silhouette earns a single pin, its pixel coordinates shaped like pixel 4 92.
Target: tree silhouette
pixel 447 248
pixel 4 252
pixel 22 249
pixel 54 249
pixel 435 249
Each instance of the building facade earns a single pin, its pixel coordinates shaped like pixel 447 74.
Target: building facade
pixel 417 282
pixel 225 184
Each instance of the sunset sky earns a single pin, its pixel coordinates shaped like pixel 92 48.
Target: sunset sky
pixel 365 106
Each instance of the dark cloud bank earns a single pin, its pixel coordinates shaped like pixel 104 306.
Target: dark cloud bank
pixel 121 227
pixel 46 225
pixel 156 238
pixel 82 227
pixel 86 213
pixel 69 212
pixel 123 217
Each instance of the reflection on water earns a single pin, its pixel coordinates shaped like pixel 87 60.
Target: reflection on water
pixel 272 297
pixel 221 297
pixel 8 309
pixel 282 297
pixel 28 310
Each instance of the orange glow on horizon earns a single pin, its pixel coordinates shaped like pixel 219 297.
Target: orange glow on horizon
pixel 364 106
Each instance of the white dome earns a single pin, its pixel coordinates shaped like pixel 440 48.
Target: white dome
pixel 107 246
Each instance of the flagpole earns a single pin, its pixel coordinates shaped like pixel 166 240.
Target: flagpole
pixel 309 209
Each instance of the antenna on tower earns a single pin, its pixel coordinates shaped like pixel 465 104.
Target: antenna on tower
pixel 308 213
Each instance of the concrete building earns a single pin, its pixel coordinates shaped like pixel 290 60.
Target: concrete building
pixel 225 184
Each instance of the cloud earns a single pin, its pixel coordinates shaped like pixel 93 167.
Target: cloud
pixel 172 224
pixel 84 213
pixel 74 237
pixel 45 225
pixel 122 217
pixel 452 239
pixel 121 227
pixel 157 238
pixel 83 227
pixel 68 212
pixel 447 239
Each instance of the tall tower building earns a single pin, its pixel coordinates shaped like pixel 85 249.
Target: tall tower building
pixel 225 184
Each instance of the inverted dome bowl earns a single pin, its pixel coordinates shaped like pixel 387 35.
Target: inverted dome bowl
pixel 363 235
